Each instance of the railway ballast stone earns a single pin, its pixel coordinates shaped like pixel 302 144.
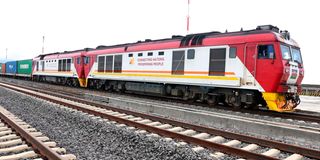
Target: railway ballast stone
pixel 90 138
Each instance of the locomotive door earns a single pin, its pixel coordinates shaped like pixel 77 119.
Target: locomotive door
pixel 88 61
pixel 250 64
pixel 217 62
pixel 178 62
pixel 78 64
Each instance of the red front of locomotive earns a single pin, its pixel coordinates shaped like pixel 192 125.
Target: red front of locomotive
pixel 279 70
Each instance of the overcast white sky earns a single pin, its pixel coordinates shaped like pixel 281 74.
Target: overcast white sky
pixel 77 24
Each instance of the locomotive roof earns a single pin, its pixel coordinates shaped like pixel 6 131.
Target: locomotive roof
pixel 195 39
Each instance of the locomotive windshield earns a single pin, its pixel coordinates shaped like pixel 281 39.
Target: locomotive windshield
pixel 285 52
pixel 291 54
pixel 296 55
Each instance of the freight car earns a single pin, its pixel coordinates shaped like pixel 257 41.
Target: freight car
pixel 11 68
pixel 24 68
pixel 2 68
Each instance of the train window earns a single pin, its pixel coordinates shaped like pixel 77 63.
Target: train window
pixel 38 66
pixel 140 54
pixel 232 52
pixel 161 53
pixel 64 65
pixel 190 54
pixel 101 61
pixel 285 52
pixel 150 53
pixel 86 60
pixel 109 63
pixel 118 63
pixel 266 52
pixel 60 65
pixel 78 60
pixel 130 55
pixel 68 65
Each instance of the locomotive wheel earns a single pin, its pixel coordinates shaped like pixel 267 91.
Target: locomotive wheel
pixel 212 101
pixel 234 102
pixel 236 105
pixel 69 82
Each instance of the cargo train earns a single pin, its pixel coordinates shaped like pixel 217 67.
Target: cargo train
pixel 248 68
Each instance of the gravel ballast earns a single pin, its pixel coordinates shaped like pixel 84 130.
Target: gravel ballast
pixel 90 138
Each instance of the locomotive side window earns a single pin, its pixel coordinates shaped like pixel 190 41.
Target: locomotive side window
pixel 64 65
pixel 101 61
pixel 140 54
pixel 232 52
pixel 68 65
pixel 150 53
pixel 130 55
pixel 190 54
pixel 266 52
pixel 161 53
pixel 118 63
pixel 217 62
pixel 109 64
pixel 86 60
pixel 78 60
pixel 59 65
pixel 178 62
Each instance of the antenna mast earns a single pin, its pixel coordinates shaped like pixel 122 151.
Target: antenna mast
pixel 42 44
pixel 188 16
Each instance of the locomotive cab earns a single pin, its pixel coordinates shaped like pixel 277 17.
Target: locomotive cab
pixel 286 97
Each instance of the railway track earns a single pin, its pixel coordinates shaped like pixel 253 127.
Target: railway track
pixel 220 142
pixel 299 115
pixel 18 140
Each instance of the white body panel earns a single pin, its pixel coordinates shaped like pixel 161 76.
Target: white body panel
pixel 51 69
pixel 157 69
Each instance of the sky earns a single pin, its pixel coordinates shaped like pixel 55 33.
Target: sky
pixel 76 24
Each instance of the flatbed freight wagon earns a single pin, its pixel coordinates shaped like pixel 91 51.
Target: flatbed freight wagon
pixel 24 68
pixel 11 68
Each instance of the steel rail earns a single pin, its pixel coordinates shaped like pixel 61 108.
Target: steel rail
pixel 263 142
pixel 288 115
pixel 36 144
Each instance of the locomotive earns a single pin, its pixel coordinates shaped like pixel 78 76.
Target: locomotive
pixel 247 68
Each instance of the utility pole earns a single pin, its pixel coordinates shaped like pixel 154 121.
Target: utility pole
pixel 188 16
pixel 42 44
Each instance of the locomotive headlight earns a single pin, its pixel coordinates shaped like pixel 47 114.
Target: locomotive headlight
pixel 301 72
pixel 287 70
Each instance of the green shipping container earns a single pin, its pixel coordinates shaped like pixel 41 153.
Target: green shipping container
pixel 25 67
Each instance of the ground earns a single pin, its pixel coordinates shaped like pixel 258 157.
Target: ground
pixel 310 103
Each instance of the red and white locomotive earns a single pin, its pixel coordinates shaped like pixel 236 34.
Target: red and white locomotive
pixel 245 68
